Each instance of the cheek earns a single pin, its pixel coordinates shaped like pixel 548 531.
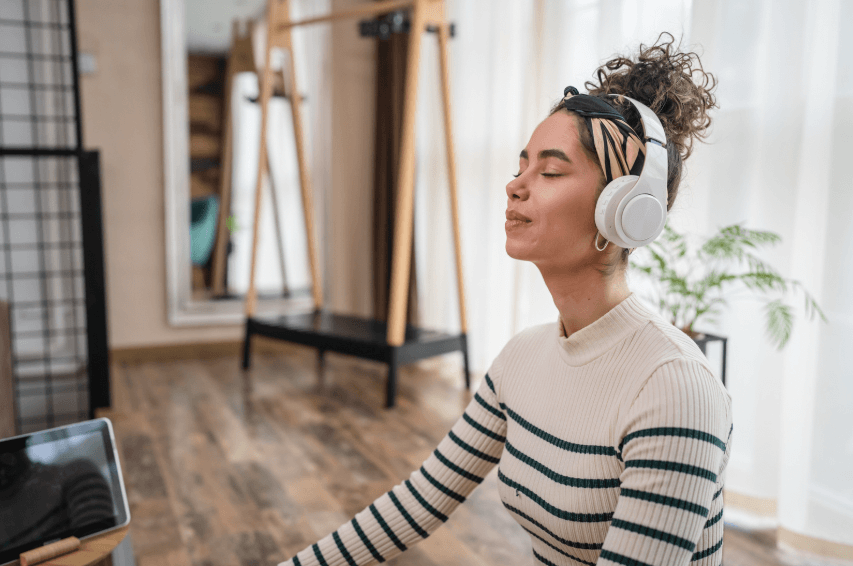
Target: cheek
pixel 574 213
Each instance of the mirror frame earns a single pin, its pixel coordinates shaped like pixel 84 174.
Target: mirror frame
pixel 182 309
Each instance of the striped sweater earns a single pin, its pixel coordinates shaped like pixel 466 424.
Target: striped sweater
pixel 611 447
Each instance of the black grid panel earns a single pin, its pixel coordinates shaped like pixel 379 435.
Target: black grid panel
pixel 42 279
pixel 38 83
pixel 44 177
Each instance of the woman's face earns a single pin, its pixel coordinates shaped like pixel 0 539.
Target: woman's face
pixel 555 189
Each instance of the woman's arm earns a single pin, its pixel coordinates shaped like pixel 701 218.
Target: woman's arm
pixel 676 439
pixel 413 509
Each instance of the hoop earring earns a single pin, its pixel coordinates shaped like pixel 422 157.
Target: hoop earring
pixel 597 234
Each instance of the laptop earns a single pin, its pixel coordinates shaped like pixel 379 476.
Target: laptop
pixel 59 483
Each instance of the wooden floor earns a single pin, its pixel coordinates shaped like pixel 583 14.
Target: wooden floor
pixel 230 468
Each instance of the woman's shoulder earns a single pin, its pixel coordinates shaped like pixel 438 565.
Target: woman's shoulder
pixel 525 342
pixel 671 342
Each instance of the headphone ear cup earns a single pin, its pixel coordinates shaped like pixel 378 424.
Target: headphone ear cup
pixel 643 218
pixel 608 202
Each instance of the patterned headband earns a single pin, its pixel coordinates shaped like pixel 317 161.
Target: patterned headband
pixel 620 150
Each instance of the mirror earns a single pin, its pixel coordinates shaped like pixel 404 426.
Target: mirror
pixel 212 50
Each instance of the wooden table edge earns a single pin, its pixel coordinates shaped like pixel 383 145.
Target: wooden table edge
pixel 99 546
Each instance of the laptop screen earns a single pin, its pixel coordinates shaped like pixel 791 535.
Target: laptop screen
pixel 59 483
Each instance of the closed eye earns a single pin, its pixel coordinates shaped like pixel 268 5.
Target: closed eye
pixel 543 174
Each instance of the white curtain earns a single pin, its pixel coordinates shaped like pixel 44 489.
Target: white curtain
pixel 775 158
pixel 509 65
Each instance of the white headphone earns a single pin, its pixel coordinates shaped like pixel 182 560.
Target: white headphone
pixel 631 211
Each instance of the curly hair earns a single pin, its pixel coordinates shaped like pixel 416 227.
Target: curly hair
pixel 661 77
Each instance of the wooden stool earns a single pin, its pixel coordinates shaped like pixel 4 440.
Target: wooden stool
pixel 95 551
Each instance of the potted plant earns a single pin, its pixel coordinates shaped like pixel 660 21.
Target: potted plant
pixel 685 301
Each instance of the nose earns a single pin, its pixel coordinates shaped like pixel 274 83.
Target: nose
pixel 516 187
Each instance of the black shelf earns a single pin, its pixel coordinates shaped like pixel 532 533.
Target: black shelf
pixel 702 340
pixel 356 336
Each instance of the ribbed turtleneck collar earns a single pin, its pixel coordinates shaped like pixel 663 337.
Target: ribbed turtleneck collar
pixel 595 339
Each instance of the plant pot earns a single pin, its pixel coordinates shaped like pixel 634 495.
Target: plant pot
pixel 702 340
pixel 693 334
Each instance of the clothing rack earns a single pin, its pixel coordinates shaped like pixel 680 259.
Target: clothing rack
pixel 394 342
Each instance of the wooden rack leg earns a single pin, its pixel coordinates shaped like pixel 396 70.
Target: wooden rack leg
pixel 391 383
pixel 240 59
pixel 247 346
pixel 264 95
pixel 304 179
pixel 277 221
pixel 401 259
pixel 222 235
pixel 443 33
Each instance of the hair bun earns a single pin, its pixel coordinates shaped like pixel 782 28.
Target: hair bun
pixel 662 78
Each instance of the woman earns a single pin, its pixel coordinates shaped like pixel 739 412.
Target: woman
pixel 610 430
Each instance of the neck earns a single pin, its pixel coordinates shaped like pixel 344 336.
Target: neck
pixel 584 298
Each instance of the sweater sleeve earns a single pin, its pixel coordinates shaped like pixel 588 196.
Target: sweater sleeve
pixel 415 508
pixel 675 441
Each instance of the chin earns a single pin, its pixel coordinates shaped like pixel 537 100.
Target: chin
pixel 514 253
pixel 509 250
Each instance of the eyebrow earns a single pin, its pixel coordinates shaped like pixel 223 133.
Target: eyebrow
pixel 558 153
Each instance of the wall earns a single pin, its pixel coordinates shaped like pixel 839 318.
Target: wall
pixel 122 117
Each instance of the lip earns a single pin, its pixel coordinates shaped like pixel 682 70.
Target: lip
pixel 515 224
pixel 514 215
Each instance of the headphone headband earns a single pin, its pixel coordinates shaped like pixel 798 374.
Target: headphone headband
pixel 653 130
pixel 631 210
